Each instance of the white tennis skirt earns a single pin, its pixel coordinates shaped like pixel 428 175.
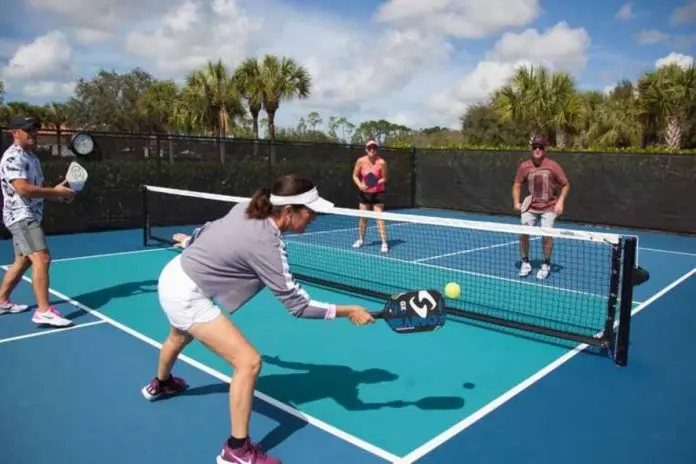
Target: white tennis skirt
pixel 181 299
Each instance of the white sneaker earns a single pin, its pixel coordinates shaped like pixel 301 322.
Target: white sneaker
pixel 544 272
pixel 358 244
pixel 525 269
pixel 50 317
pixel 385 248
pixel 12 308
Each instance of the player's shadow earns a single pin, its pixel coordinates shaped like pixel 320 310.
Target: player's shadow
pixel 391 242
pixel 99 298
pixel 316 382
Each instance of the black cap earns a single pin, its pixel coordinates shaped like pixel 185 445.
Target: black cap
pixel 24 122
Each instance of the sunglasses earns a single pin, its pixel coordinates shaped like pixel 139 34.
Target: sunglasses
pixel 537 147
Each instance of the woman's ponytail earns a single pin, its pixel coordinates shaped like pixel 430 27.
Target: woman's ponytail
pixel 260 206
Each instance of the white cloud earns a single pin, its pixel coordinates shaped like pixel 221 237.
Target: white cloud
pixel 41 68
pixel 559 47
pixel 625 12
pixel 684 14
pixel 375 68
pixel 476 87
pixel 679 59
pixel 462 18
pixel 194 32
pixel 651 36
pixel 95 21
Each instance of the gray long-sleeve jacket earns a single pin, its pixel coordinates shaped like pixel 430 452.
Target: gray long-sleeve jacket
pixel 232 258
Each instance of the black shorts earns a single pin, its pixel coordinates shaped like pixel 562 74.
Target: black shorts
pixel 370 198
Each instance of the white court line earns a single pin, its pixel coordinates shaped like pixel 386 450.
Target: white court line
pixel 52 331
pixel 671 252
pixel 219 375
pixel 103 255
pixel 519 388
pixel 471 250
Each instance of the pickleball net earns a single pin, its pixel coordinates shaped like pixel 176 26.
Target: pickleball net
pixel 586 298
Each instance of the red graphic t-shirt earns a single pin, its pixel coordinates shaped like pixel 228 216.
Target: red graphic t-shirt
pixel 543 182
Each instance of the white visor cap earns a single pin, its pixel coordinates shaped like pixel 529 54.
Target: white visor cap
pixel 310 199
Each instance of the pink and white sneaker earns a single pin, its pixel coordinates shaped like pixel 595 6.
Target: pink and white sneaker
pixel 50 317
pixel 9 307
pixel 157 389
pixel 249 453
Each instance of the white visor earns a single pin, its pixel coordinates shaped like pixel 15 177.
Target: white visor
pixel 310 199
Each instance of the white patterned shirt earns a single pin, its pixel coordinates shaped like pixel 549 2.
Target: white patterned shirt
pixel 17 163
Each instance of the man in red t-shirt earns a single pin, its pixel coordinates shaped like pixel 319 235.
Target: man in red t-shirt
pixel 543 176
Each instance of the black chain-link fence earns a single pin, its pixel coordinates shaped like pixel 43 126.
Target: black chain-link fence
pixel 632 190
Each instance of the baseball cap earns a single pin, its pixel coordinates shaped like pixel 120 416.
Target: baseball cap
pixel 371 142
pixel 539 140
pixel 24 122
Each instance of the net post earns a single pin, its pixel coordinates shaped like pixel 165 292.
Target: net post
pixel 626 306
pixel 414 181
pixel 609 335
pixel 146 216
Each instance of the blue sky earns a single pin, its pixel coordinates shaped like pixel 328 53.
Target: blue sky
pixel 414 62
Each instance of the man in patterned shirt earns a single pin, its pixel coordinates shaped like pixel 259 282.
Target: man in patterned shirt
pixel 544 176
pixel 21 180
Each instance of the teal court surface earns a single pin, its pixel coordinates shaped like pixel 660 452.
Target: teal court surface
pixel 330 392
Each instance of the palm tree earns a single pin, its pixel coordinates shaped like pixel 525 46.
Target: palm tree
pixel 616 122
pixel 211 102
pixel 56 116
pixel 542 100
pixel 282 79
pixel 591 102
pixel 520 101
pixel 157 105
pixel 563 105
pixel 668 93
pixel 247 79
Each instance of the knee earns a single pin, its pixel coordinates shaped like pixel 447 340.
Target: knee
pixel 249 363
pixel 179 339
pixel 41 258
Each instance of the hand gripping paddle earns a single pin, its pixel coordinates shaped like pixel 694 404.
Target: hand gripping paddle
pixel 415 311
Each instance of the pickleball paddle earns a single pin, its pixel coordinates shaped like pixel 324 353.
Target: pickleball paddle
pixel 414 311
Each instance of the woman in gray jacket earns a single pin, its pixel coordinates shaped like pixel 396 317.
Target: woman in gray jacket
pixel 230 260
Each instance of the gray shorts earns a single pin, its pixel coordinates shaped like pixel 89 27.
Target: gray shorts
pixel 27 237
pixel 533 218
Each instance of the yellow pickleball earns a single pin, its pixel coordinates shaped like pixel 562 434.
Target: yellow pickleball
pixel 452 290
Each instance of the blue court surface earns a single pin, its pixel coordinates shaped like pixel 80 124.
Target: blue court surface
pixel 330 392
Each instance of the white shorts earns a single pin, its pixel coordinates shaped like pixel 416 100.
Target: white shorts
pixel 533 218
pixel 181 299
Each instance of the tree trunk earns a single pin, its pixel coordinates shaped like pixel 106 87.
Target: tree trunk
pixel 255 129
pixel 673 134
pixel 271 135
pixel 560 138
pixel 222 133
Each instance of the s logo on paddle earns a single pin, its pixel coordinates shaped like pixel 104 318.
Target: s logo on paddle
pixel 423 310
